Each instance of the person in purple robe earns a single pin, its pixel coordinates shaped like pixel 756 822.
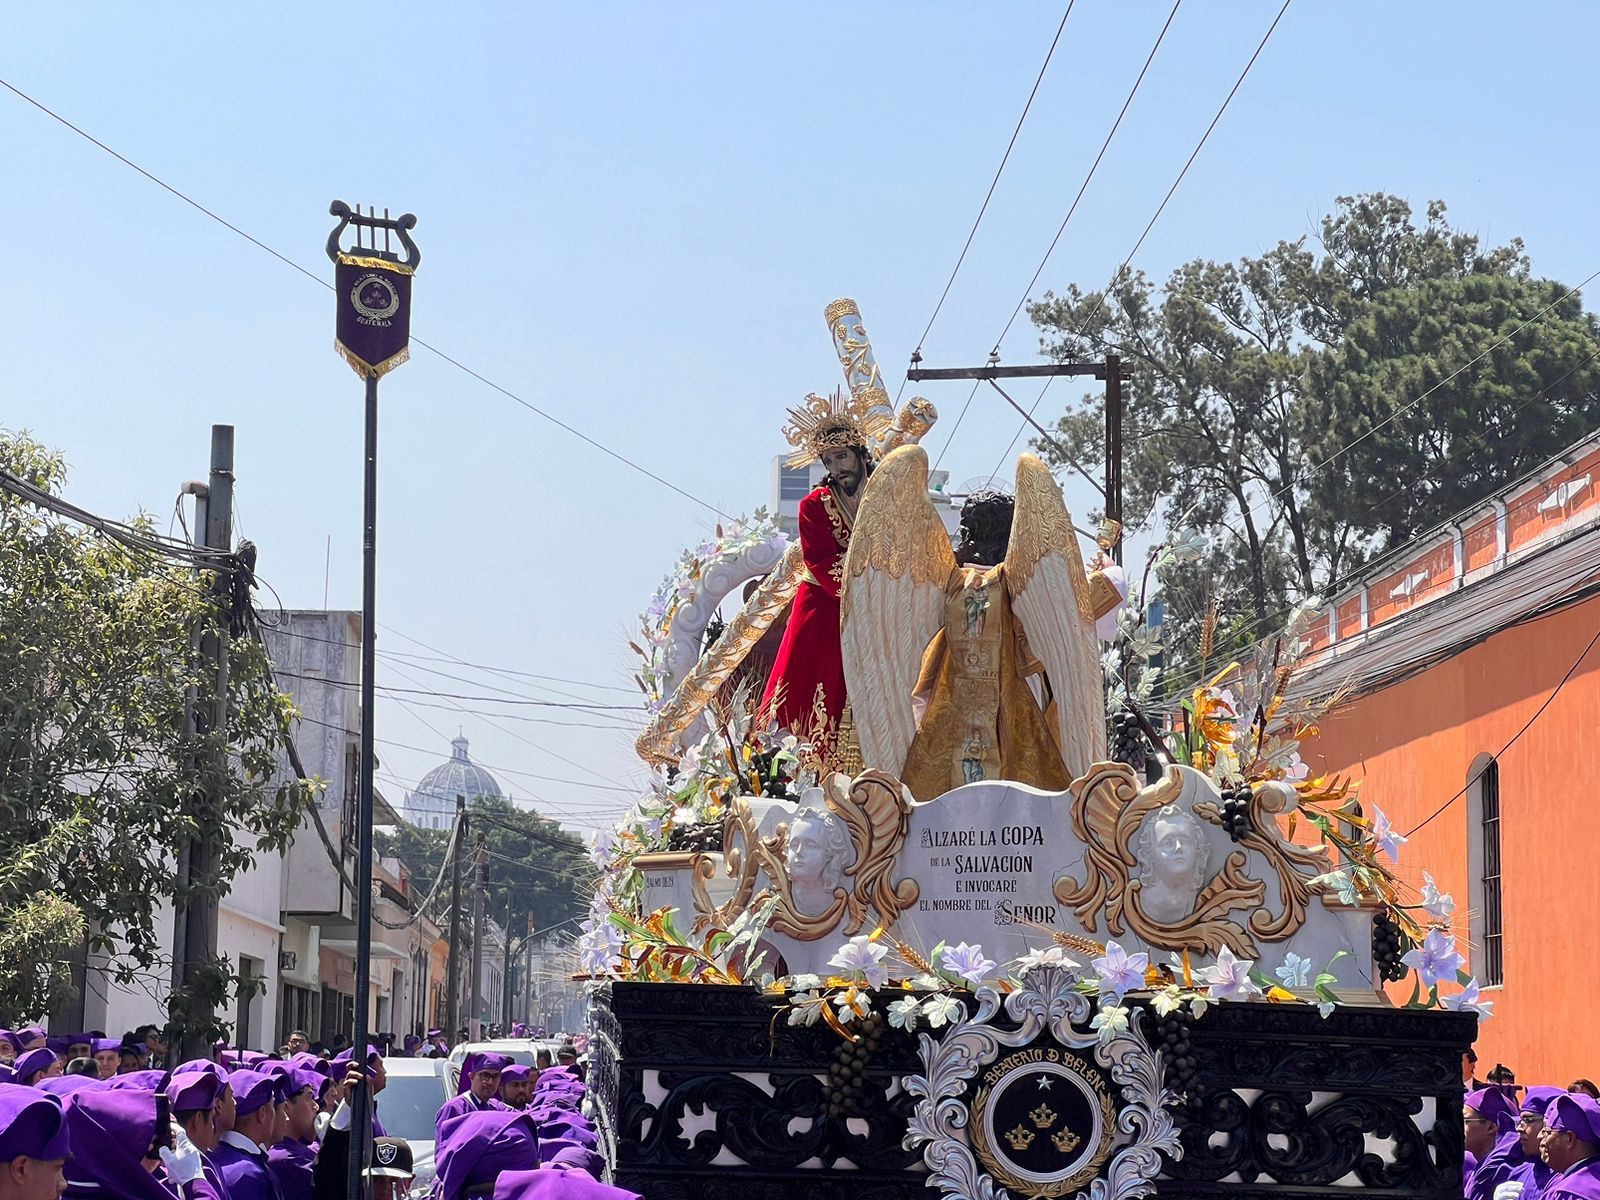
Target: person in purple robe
pixel 194 1098
pixel 139 1081
pixel 1529 1173
pixel 65 1085
pixel 1570 1146
pixel 291 1161
pixel 477 1088
pixel 1489 1121
pixel 108 1056
pixel 475 1147
pixel 1512 1151
pixel 36 1064
pixel 34 1143
pixel 118 1136
pixel 556 1185
pixel 241 1154
pixel 516 1085
pixel 566 1155
pixel 377 1079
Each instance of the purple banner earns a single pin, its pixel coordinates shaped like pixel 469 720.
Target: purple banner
pixel 374 301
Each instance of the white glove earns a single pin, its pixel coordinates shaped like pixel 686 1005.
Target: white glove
pixel 183 1165
pixel 1508 1191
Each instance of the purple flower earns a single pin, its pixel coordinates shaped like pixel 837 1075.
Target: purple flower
pixel 861 956
pixel 1384 836
pixel 1120 971
pixel 967 962
pixel 1435 959
pixel 1230 978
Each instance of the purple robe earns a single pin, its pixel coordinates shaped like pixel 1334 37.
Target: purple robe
pixel 1496 1167
pixel 290 1162
pixel 466 1102
pixel 245 1175
pixel 119 1126
pixel 1534 1177
pixel 1581 1181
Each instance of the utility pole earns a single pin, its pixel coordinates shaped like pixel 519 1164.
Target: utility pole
pixel 194 926
pixel 452 999
pixel 475 1018
pixel 505 990
pixel 1110 369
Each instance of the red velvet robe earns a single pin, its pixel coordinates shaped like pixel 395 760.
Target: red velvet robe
pixel 809 657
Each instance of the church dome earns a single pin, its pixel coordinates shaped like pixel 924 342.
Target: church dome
pixel 458 776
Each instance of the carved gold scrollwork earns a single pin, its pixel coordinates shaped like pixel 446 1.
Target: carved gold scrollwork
pixel 876 811
pixel 1108 809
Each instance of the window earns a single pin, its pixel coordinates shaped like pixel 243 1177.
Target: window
pixel 1493 969
pixel 794 483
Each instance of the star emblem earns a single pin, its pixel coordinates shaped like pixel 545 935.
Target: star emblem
pixel 1044 1083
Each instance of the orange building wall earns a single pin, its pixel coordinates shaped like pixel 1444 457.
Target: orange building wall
pixel 1412 745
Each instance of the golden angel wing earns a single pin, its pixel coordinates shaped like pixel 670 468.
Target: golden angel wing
pixel 892 604
pixel 1050 596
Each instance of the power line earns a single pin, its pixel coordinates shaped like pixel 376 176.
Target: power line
pixel 993 183
pixel 629 708
pixel 1162 207
pixel 1062 228
pixel 457 363
pixel 1526 725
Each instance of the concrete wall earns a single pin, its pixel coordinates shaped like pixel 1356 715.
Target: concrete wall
pixel 1414 745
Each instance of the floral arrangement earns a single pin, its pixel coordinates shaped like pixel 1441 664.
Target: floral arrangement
pixel 680 587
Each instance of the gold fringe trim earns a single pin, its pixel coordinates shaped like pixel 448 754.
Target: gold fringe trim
pixel 374 264
pixel 365 369
pixel 838 309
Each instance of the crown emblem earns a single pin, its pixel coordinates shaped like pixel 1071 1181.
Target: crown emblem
pixel 834 422
pixel 1020 1138
pixel 1065 1141
pixel 1043 1117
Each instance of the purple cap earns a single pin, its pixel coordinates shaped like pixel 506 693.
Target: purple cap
pixel 569 1126
pixel 194 1091
pixel 201 1064
pixel 569 1156
pixel 342 1059
pixel 139 1081
pixel 59 1045
pixel 297 1079
pixel 556 1185
pixel 7 1035
pixel 30 1033
pixel 30 1063
pixel 435 1033
pixel 252 1090
pixel 65 1085
pixel 101 1045
pixel 1537 1099
pixel 117 1128
pixel 1575 1114
pixel 1491 1102
pixel 476 1147
pixel 514 1073
pixel 479 1060
pixel 31 1124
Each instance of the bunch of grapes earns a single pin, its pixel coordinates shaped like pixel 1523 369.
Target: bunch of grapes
pixel 1236 809
pixel 845 1090
pixel 1127 739
pixel 1177 1050
pixel 1389 942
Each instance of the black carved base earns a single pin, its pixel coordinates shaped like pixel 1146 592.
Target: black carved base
pixel 1287 1102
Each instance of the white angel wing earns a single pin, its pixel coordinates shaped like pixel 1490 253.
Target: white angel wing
pixel 1050 596
pixel 892 604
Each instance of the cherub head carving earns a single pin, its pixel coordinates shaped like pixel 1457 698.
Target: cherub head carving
pixel 1174 863
pixel 817 855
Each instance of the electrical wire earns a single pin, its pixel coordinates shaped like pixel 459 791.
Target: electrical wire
pixel 1073 208
pixel 1165 200
pixel 1526 725
pixel 993 183
pixel 628 708
pixel 437 351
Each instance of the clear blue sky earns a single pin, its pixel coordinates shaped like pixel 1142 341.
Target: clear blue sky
pixel 633 215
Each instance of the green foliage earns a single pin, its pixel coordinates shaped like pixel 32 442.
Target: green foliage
pixel 1247 376
pixel 535 871
pixel 98 663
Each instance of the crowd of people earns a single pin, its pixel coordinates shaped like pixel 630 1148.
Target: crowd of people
pixel 95 1118
pixel 1530 1143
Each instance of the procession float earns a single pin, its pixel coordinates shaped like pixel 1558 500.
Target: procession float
pixel 905 911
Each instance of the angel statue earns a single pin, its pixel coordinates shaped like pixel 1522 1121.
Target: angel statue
pixel 974 664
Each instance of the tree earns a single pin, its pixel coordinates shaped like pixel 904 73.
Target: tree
pixel 536 872
pixel 1313 410
pixel 96 673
